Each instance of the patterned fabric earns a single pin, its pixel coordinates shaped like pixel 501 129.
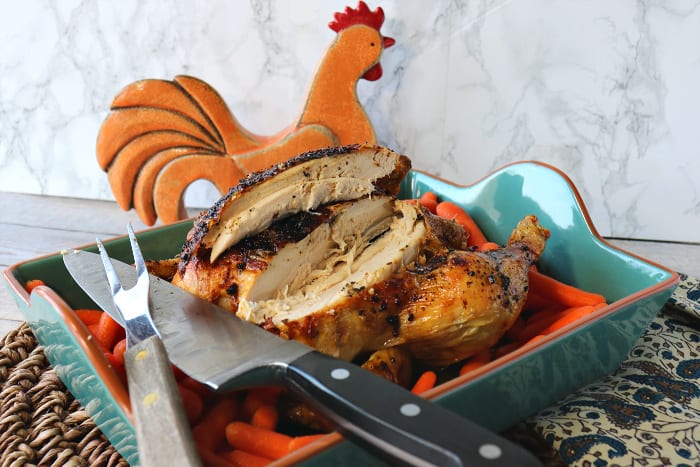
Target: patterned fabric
pixel 647 413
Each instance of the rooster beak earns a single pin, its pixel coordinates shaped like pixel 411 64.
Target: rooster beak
pixel 388 42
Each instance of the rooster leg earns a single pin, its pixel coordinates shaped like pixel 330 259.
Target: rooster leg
pixel 177 175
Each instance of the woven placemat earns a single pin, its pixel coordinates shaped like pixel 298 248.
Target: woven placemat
pixel 40 421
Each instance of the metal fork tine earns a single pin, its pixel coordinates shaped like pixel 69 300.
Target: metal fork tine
pixel 114 283
pixel 138 256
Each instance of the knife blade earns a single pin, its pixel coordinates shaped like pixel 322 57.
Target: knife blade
pixel 224 352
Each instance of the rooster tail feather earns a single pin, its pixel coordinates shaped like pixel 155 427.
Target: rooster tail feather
pixel 128 166
pixel 153 122
pixel 234 137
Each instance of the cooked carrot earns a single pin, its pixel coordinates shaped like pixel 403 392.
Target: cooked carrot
pixel 88 316
pixel 178 373
pixel 537 323
pixel 430 201
pixel 265 416
pixel 108 331
pixel 200 388
pixel 488 246
pixel 32 284
pixel 118 350
pixel 504 349
pixel 560 292
pixel 476 361
pixel 192 404
pixel 209 432
pixel 258 441
pixel 569 316
pixel 450 210
pixel 536 301
pixel 514 331
pixel 214 459
pixel 425 381
pixel 256 397
pixel 238 458
pixel 299 442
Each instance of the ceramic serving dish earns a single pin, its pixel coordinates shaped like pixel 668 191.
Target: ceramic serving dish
pixel 495 396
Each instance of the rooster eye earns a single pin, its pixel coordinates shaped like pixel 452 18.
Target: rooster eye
pixel 371 44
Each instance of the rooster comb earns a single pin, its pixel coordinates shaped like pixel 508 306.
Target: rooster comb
pixel 360 15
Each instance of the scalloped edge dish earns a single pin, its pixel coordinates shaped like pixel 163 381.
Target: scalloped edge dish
pixel 496 395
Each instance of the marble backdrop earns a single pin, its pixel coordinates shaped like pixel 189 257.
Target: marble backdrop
pixel 608 91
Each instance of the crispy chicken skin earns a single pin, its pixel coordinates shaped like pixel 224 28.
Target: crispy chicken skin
pixel 464 302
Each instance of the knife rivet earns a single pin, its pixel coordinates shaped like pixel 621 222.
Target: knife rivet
pixel 140 355
pixel 490 451
pixel 410 410
pixel 340 373
pixel 150 399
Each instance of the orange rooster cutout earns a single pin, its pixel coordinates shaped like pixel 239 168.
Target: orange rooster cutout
pixel 160 136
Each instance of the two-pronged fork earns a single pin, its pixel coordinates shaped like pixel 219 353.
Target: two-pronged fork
pixel 162 431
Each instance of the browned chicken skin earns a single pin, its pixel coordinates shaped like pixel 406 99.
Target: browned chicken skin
pixel 465 302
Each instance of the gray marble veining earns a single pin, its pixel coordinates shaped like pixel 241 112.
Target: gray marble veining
pixel 609 92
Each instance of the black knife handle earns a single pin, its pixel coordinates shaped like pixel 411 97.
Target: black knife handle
pixel 396 423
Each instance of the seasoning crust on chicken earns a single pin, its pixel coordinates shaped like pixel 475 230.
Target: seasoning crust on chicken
pixel 320 250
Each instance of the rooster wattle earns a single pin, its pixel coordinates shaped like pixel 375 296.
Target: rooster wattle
pixel 160 136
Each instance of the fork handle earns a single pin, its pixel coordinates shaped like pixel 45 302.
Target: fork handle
pixel 162 430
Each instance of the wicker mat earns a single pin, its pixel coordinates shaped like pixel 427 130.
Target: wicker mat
pixel 40 421
pixel 42 424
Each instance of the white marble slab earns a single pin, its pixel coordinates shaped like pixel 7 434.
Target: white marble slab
pixel 607 91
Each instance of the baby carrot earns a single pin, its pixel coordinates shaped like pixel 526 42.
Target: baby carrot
pixel 209 432
pixel 256 397
pixel 89 316
pixel 299 442
pixel 425 381
pixel 117 366
pixel 108 331
pixel 450 210
pixel 488 246
pixel 32 284
pixel 258 441
pixel 570 315
pixel 536 301
pixel 192 403
pixel 504 349
pixel 214 459
pixel 560 292
pixel 514 331
pixel 238 458
pixel 119 350
pixel 429 200
pixel 195 386
pixel 265 416
pixel 476 361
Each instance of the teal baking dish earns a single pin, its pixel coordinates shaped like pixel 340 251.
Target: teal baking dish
pixel 496 395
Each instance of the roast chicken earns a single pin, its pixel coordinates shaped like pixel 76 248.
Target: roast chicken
pixel 321 250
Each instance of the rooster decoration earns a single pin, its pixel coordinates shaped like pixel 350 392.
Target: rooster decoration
pixel 160 136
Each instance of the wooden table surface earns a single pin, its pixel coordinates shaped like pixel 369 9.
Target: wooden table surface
pixel 33 226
